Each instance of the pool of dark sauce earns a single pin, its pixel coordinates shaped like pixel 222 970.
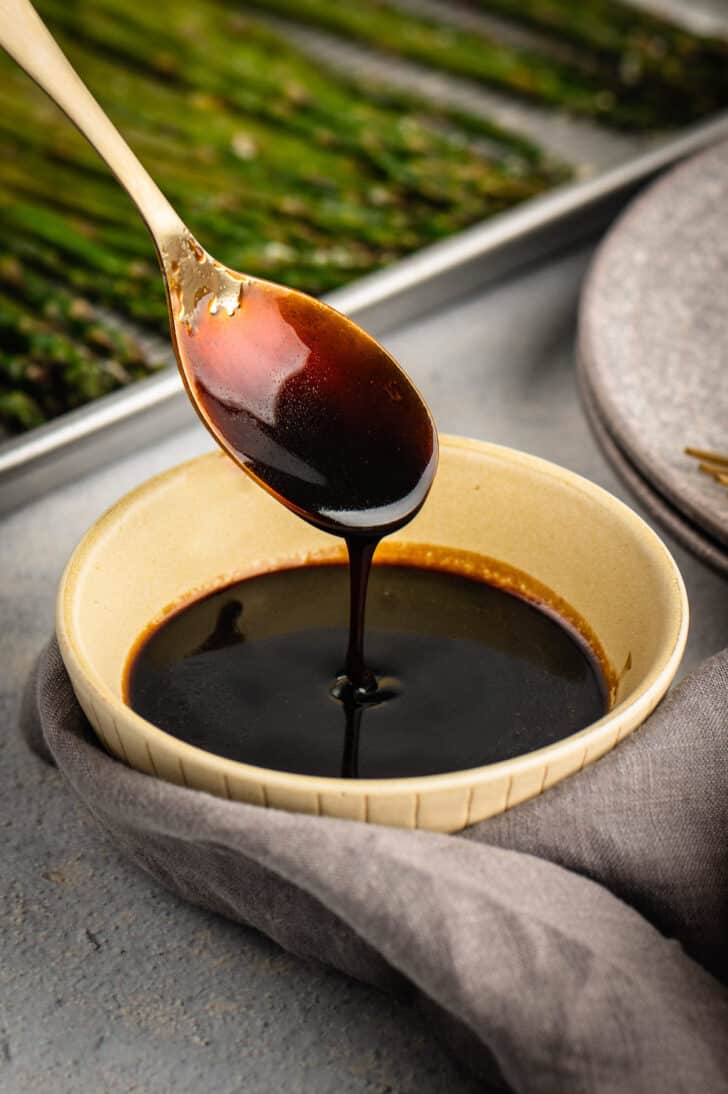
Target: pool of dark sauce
pixel 467 673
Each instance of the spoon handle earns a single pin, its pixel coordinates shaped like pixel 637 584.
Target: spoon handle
pixel 29 42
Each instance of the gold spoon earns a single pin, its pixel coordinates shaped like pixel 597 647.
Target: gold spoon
pixel 303 399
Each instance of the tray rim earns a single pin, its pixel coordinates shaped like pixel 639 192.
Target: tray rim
pixel 78 441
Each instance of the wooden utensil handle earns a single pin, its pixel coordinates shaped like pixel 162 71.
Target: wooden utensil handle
pixel 30 43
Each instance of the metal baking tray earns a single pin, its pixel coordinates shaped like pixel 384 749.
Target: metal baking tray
pixel 94 435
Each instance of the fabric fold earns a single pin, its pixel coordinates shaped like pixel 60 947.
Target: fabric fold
pixel 560 981
pixel 650 820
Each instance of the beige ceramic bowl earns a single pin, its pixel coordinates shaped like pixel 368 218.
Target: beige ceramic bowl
pixel 204 523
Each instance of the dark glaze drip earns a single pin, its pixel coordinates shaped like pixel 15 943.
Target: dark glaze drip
pixel 315 410
pixel 467 674
pixel 361 552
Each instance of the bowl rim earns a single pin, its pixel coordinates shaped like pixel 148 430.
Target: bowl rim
pixel 624 716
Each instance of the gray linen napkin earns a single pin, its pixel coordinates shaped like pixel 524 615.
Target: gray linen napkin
pixel 508 932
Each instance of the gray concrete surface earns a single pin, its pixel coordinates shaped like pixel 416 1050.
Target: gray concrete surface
pixel 109 984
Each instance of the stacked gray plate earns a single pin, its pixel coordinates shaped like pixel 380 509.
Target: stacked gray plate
pixel 653 349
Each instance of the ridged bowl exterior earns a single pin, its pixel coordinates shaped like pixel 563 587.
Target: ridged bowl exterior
pixel 204 523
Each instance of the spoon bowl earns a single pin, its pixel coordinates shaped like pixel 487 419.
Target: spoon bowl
pixel 304 400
